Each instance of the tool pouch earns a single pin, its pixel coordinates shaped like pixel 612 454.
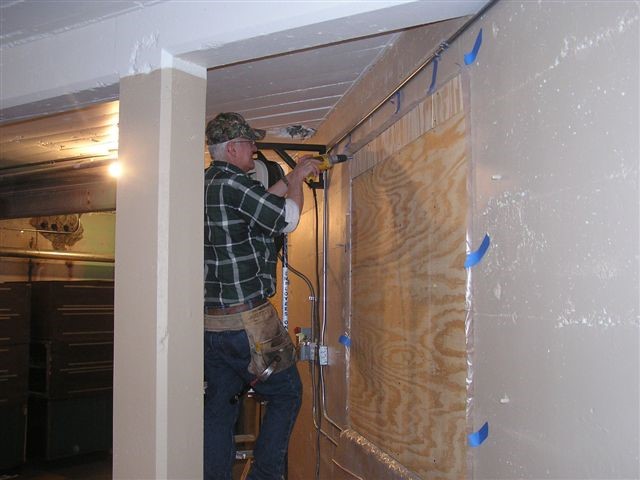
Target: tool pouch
pixel 267 338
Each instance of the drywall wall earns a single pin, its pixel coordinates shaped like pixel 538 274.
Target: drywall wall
pixel 555 302
pixel 553 307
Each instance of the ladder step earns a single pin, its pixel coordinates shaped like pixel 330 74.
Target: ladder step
pixel 244 454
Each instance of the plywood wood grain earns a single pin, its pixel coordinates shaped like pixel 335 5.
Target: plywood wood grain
pixel 434 110
pixel 408 354
pixel 447 101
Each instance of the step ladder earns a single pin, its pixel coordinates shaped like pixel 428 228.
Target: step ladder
pixel 244 438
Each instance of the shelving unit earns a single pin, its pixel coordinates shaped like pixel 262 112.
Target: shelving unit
pixel 14 361
pixel 70 368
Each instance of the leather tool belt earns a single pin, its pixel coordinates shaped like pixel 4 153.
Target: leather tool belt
pixel 241 307
pixel 267 336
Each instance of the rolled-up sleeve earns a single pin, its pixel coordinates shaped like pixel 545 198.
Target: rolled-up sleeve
pixel 292 215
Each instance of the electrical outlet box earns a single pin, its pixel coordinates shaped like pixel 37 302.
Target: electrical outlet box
pixel 323 355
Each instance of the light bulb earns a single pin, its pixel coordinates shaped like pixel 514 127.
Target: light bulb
pixel 115 169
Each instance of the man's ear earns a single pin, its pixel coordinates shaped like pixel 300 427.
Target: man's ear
pixel 228 148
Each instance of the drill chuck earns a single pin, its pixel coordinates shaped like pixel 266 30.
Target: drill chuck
pixel 329 160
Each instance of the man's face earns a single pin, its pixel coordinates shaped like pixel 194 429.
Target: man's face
pixel 241 152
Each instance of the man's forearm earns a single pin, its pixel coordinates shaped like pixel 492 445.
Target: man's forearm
pixel 291 185
pixel 294 192
pixel 280 187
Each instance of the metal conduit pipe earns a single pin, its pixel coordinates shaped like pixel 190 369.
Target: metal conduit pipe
pixel 314 312
pixel 316 425
pixel 325 266
pixel 55 255
pixel 39 230
pixel 443 46
pixel 77 163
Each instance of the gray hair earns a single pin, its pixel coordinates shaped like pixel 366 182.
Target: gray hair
pixel 218 151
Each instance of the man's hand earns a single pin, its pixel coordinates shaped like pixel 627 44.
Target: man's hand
pixel 292 182
pixel 307 166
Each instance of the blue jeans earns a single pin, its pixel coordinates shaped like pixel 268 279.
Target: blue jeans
pixel 226 358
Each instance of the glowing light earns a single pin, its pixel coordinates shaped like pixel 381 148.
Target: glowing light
pixel 115 169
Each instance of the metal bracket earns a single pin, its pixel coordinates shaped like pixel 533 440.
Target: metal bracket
pixel 306 351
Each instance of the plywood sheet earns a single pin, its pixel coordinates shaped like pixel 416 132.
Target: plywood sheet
pixel 408 354
pixel 434 110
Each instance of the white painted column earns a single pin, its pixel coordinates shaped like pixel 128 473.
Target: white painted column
pixel 158 300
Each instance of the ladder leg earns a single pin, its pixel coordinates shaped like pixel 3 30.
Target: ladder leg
pixel 245 471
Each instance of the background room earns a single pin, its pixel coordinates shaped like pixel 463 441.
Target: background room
pixel 465 286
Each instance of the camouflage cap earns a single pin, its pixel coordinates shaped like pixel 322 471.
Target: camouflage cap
pixel 230 125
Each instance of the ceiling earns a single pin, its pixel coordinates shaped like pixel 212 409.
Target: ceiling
pixel 289 95
pixel 23 21
pixel 296 89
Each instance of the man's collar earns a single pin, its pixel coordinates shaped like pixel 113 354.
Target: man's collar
pixel 227 166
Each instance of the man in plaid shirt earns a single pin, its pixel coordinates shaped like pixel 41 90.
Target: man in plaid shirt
pixel 245 342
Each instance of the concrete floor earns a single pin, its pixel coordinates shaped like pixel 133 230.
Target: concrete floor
pixel 98 465
pixel 94 466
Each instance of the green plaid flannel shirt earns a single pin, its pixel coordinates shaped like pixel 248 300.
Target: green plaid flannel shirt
pixel 240 220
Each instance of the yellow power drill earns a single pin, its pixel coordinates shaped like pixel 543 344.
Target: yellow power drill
pixel 328 160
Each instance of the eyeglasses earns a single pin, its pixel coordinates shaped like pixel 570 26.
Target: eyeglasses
pixel 252 142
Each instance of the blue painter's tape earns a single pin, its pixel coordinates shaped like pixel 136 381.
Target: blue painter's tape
pixel 474 257
pixel 476 438
pixel 348 144
pixel 346 341
pixel 471 56
pixel 434 76
pixel 397 101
